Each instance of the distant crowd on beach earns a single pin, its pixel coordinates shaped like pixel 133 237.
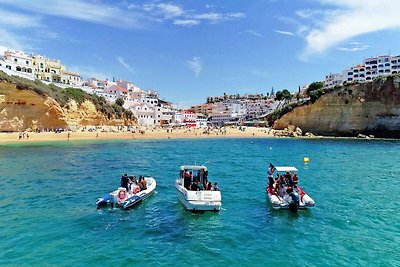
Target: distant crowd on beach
pixel 23 135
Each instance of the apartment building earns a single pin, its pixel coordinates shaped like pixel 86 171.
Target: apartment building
pixel 370 68
pixel 18 63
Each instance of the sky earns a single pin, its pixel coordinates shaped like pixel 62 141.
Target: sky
pixel 190 49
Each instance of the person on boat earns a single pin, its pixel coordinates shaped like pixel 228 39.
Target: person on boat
pixel 144 184
pixel 295 180
pixel 271 183
pixel 281 189
pixel 271 169
pixel 125 181
pixel 187 179
pixel 200 185
pixel 209 186
pixel 194 187
pixel 288 177
pixel 205 179
pixel 216 187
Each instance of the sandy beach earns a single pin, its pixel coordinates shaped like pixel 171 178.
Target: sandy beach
pixel 156 133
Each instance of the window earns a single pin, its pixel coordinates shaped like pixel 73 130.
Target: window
pixel 15 60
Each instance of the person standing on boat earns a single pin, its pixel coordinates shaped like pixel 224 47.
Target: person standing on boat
pixel 216 187
pixel 187 179
pixel 205 179
pixel 209 186
pixel 125 181
pixel 200 185
pixel 295 180
pixel 271 169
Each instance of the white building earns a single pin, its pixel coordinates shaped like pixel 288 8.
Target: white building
pixel 18 63
pixel 71 78
pixel 144 114
pixel 201 120
pixel 221 118
pixel 372 67
pixel 333 79
pixel 259 107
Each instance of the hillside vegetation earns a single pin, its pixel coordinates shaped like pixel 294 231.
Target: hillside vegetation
pixel 63 96
pixel 33 105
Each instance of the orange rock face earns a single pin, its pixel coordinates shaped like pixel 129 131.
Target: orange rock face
pixel 26 110
pixel 370 108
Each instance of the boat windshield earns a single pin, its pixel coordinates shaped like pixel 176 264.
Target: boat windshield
pixel 195 174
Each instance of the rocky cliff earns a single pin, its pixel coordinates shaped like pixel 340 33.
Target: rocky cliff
pixel 369 108
pixel 26 110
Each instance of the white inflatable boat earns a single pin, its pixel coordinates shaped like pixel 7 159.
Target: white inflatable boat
pixel 284 192
pixel 126 199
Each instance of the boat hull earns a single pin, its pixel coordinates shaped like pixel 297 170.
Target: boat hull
pixel 305 201
pixel 199 205
pixel 131 200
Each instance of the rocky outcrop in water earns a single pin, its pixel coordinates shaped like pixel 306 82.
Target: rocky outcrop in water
pixel 369 109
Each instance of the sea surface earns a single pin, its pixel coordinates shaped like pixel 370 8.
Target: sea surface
pixel 48 215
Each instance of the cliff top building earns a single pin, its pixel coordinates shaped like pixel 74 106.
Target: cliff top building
pixel 370 68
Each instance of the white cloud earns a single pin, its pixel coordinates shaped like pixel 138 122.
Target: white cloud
pixel 253 33
pixel 353 47
pixel 91 11
pixel 125 65
pixel 179 16
pixel 284 32
pixel 101 12
pixel 195 65
pixel 167 10
pixel 13 41
pixel 348 19
pixel 213 17
pixel 186 22
pixel 17 20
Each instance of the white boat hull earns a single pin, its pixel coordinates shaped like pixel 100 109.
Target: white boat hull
pixel 199 200
pixel 131 199
pixel 305 201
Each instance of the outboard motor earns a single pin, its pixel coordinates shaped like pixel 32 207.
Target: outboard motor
pixel 295 202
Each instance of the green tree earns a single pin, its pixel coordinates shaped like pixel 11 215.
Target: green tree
pixel 279 96
pixel 120 102
pixel 314 86
pixel 286 94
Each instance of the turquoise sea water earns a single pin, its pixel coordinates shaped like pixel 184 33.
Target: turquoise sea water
pixel 48 214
